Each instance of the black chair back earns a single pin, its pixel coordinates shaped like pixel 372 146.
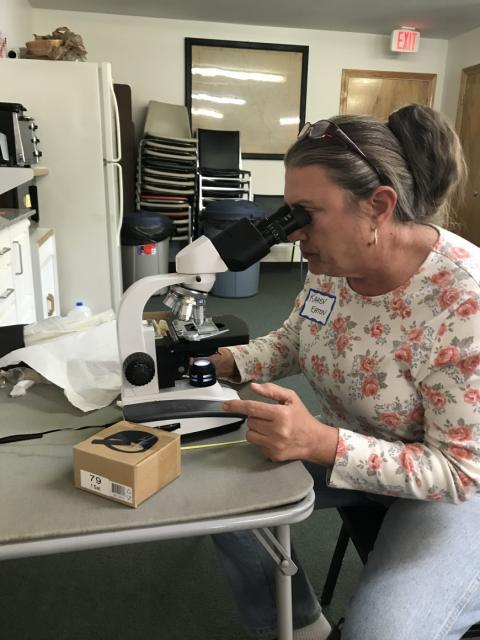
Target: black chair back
pixel 218 149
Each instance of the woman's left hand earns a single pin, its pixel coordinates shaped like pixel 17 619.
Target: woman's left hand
pixel 286 430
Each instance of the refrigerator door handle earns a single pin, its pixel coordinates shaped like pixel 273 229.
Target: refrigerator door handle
pixel 118 167
pixel 117 125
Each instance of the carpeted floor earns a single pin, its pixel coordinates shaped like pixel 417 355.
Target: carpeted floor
pixel 171 590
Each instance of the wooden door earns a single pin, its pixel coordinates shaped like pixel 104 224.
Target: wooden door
pixel 468 128
pixel 378 93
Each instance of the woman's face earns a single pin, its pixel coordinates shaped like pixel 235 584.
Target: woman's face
pixel 335 243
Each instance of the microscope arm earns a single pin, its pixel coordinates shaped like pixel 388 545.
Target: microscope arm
pixel 196 265
pixel 236 248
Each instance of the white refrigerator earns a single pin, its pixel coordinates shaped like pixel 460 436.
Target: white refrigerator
pixel 74 106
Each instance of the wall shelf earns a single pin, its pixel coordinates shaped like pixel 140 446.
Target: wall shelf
pixel 11 177
pixel 40 171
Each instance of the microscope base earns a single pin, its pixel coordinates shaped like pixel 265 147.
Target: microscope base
pixel 183 416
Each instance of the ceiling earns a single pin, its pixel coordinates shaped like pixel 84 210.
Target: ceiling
pixel 434 18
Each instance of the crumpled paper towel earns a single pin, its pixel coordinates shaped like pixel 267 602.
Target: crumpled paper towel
pixel 20 379
pixel 85 364
pixel 56 326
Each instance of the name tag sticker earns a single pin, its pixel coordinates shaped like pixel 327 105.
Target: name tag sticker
pixel 318 306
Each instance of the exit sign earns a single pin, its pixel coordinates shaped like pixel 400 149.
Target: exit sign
pixel 405 40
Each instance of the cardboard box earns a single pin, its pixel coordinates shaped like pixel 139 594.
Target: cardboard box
pixel 127 462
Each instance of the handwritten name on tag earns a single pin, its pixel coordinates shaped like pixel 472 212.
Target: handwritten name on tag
pixel 318 306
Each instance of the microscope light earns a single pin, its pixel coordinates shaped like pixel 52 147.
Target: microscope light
pixel 202 373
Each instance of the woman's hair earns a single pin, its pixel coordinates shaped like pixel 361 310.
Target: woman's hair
pixel 416 152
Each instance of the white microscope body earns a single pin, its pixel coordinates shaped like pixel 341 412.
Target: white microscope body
pixel 176 406
pixel 155 387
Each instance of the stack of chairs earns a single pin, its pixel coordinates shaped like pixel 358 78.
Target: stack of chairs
pixel 220 175
pixel 166 170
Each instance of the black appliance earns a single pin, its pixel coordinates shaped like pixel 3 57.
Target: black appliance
pixel 18 136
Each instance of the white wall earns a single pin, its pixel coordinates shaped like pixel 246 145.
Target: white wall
pixel 148 54
pixel 463 51
pixel 16 21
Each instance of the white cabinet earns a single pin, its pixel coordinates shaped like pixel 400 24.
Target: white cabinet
pixel 45 273
pixel 17 303
pixel 22 272
pixel 8 313
pixel 8 309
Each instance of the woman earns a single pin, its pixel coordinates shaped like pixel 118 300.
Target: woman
pixel 387 331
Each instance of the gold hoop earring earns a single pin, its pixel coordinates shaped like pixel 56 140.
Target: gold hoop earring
pixel 375 238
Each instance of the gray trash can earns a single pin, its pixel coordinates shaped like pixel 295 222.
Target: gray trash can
pixel 218 215
pixel 145 240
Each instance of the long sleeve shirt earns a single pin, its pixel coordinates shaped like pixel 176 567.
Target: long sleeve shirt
pixel 398 374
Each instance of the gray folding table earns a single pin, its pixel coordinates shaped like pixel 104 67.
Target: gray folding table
pixel 220 489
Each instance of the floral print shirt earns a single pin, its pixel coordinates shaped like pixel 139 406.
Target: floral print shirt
pixel 398 374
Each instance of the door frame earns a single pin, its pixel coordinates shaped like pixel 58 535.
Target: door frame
pixel 347 74
pixel 466 72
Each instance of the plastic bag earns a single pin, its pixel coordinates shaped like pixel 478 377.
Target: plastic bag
pixel 145 228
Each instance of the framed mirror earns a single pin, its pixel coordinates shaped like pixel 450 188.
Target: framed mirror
pixel 256 88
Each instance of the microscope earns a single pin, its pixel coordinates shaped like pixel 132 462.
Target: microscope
pixel 167 379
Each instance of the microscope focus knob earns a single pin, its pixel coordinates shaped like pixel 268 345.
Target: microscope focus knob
pixel 139 368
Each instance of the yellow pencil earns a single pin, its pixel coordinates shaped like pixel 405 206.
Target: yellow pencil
pixel 212 444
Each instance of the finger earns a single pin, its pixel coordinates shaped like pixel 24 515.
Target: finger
pixel 261 442
pixel 274 392
pixel 258 439
pixel 252 408
pixel 262 426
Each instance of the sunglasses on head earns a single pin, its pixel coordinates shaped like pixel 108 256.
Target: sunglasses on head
pixel 326 129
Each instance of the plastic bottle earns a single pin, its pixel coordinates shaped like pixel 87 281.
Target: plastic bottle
pixel 80 310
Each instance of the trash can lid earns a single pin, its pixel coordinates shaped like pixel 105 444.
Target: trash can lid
pixel 141 227
pixel 230 209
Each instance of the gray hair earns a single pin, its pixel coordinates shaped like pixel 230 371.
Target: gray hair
pixel 416 152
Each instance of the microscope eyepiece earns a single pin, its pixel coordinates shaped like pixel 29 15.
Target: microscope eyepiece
pixel 282 223
pixel 244 242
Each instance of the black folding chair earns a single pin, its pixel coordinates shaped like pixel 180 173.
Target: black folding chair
pixel 220 175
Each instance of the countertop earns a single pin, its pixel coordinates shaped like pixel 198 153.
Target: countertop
pixel 11 216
